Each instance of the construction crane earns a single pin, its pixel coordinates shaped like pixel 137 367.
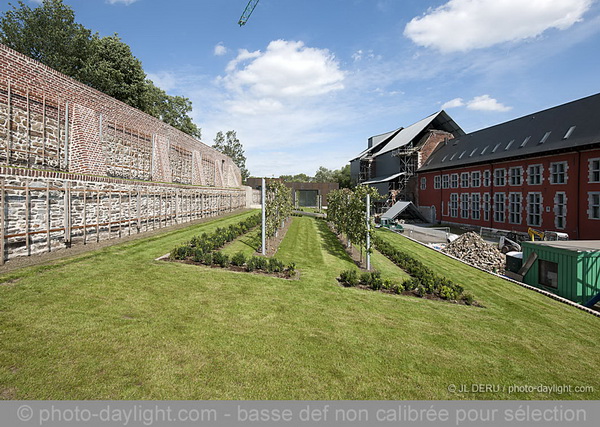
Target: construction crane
pixel 247 12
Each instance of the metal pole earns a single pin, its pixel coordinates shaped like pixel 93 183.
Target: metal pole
pixel 368 230
pixel 264 204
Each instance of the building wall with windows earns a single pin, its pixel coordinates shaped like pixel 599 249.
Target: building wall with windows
pixel 540 171
pixel 558 192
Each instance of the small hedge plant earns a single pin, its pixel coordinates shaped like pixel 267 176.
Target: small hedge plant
pixel 203 249
pixel 205 243
pixel 423 280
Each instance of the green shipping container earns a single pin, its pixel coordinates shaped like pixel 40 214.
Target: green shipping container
pixel 570 269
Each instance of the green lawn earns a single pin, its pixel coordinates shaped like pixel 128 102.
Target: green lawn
pixel 248 244
pixel 115 324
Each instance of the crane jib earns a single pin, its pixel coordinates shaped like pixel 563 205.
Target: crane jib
pixel 247 12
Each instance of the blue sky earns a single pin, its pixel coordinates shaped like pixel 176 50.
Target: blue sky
pixel 306 82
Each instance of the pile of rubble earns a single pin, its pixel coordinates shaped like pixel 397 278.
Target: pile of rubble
pixel 470 247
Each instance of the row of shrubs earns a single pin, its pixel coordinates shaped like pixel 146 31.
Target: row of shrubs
pixel 251 263
pixel 208 243
pixel 423 280
pixel 203 249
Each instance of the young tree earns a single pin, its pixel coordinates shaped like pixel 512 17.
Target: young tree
pixel 231 146
pixel 278 206
pixel 346 211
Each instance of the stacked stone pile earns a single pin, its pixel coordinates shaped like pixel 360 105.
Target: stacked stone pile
pixel 470 247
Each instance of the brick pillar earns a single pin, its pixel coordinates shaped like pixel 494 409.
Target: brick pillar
pixel 86 154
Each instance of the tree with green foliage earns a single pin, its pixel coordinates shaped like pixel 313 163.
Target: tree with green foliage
pixel 323 175
pixel 346 211
pixel 278 201
pixel 301 177
pixel 174 111
pixel 230 145
pixel 49 34
pixel 111 68
pixel 341 176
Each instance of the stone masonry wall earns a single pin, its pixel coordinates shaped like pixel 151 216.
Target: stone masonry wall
pixel 43 210
pixel 78 166
pixel 50 121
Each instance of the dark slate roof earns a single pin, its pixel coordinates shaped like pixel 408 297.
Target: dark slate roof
pixel 389 141
pixel 564 128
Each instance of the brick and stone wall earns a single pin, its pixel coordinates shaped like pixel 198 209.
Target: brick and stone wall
pixel 45 210
pixel 78 166
pixel 50 121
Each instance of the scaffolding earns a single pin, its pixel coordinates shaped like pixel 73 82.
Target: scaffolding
pixel 408 157
pixel 367 169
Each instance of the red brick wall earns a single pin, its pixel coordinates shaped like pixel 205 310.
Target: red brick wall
pixel 90 112
pixel 576 190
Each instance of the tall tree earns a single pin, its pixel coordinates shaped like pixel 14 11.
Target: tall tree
pixel 323 175
pixel 49 34
pixel 301 177
pixel 231 146
pixel 342 177
pixel 111 68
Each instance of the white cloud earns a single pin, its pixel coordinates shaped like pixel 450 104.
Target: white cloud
pixel 453 103
pixel 463 25
pixel 125 2
pixel 486 103
pixel 282 101
pixel 220 49
pixel 478 103
pixel 285 69
pixel 359 55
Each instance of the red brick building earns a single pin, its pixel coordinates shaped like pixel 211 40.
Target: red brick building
pixel 540 171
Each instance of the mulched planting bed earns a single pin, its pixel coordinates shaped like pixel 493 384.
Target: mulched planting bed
pixel 274 242
pixel 238 269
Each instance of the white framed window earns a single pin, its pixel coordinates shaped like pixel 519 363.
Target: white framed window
pixel 437 182
pixel 515 206
pixel 560 210
pixel 464 205
pixel 534 209
pixel 487 178
pixel 594 205
pixel 499 207
pixel 476 206
pixel 475 179
pixel 464 180
pixel 454 180
pixel 558 173
pixel 594 170
pixel 445 181
pixel 515 176
pixel 500 177
pixel 534 174
pixel 454 205
pixel 423 183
